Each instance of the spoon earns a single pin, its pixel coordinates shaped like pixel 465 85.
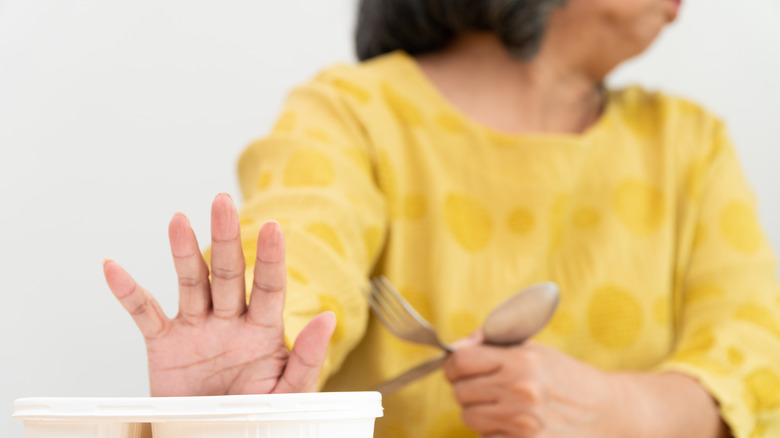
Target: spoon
pixel 513 321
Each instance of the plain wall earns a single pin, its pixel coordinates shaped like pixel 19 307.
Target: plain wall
pixel 115 115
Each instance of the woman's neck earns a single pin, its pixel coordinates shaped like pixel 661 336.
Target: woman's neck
pixel 544 95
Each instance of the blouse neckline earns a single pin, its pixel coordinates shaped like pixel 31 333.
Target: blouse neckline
pixel 432 93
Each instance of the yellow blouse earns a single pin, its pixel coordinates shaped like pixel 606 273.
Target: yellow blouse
pixel 645 222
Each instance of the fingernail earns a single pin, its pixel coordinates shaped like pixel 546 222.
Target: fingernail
pixel 178 213
pixel 223 197
pixel 270 242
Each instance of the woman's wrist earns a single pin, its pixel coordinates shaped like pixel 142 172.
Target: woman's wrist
pixel 665 404
pixel 631 407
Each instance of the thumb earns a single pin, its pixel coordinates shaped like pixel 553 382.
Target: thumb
pixel 472 340
pixel 307 356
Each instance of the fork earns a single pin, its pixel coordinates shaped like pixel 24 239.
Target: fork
pixel 400 317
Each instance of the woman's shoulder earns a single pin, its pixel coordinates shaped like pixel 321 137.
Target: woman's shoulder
pixel 642 105
pixel 367 74
pixel 383 66
pixel 668 123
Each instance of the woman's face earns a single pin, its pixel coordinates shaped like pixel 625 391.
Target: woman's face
pixel 637 22
pixel 611 31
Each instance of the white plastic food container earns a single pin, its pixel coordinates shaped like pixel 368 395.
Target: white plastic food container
pixel 310 415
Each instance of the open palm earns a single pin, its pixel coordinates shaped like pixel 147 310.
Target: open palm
pixel 217 344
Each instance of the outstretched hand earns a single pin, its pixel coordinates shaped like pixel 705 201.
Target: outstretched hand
pixel 217 344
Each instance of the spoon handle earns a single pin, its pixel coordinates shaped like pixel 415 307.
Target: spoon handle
pixel 411 375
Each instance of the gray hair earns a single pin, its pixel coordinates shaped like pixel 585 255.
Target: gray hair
pixel 420 26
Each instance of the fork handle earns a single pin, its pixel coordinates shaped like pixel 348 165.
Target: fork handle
pixel 411 375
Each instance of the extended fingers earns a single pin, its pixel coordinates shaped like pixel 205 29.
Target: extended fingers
pixel 270 278
pixel 227 260
pixel 191 269
pixel 144 309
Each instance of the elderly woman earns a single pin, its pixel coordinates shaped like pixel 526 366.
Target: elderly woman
pixel 474 151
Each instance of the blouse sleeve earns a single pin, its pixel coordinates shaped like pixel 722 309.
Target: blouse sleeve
pixel 728 298
pixel 313 174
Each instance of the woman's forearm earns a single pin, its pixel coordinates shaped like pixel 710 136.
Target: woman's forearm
pixel 670 405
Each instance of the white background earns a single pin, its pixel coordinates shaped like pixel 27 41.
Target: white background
pixel 115 115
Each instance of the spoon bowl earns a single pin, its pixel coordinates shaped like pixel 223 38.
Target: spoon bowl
pixel 522 315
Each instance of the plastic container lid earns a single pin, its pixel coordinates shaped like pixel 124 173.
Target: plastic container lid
pixel 267 407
